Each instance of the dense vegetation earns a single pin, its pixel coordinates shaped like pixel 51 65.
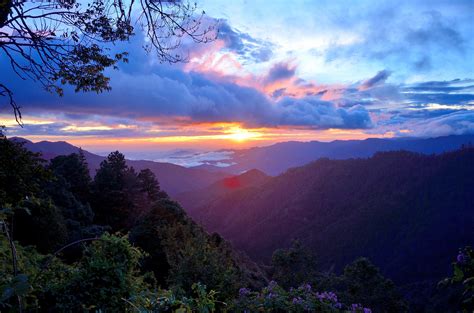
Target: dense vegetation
pixel 118 243
pixel 405 211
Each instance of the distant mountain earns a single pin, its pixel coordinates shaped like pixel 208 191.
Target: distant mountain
pixel 51 149
pixel 194 200
pixel 408 212
pixel 173 178
pixel 277 158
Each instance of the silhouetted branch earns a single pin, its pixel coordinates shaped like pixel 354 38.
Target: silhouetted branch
pixel 65 42
pixel 4 91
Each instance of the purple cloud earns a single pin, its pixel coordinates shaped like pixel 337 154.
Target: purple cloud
pixel 378 79
pixel 280 71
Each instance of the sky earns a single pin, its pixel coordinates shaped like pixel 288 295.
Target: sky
pixel 278 71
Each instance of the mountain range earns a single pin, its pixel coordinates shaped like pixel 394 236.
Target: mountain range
pixel 173 178
pixel 277 158
pixel 407 212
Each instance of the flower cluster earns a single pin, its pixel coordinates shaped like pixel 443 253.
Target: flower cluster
pixel 302 299
pixel 461 258
pixel 357 308
pixel 330 296
pixel 244 292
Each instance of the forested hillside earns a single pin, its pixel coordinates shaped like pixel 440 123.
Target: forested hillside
pixel 194 200
pixel 405 211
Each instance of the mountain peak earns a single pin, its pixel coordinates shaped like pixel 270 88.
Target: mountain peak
pixel 20 139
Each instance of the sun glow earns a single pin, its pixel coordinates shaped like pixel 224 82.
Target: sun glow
pixel 239 134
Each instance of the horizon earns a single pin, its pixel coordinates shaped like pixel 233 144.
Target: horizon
pixel 312 79
pixel 219 158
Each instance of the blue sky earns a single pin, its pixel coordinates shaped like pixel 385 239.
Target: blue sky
pixel 345 41
pixel 279 70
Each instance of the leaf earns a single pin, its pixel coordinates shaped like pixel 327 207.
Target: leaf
pixel 7 294
pixel 458 274
pixel 468 280
pixel 19 286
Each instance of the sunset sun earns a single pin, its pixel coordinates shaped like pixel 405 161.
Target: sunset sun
pixel 240 135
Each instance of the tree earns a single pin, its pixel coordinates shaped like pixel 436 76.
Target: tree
pixel 73 169
pixel 22 173
pixel 41 224
pixel 107 274
pixel 149 185
pixel 180 253
pixel 112 200
pixel 294 266
pixel 34 218
pixel 363 283
pixel 68 42
pixel 70 189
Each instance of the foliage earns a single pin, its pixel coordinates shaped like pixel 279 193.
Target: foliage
pixel 38 275
pixel 166 301
pixel 294 266
pixel 107 274
pixel 74 170
pixel 181 251
pixel 39 223
pixel 22 172
pixel 463 275
pixel 149 185
pixel 120 195
pixel 193 257
pixel 362 282
pixel 111 199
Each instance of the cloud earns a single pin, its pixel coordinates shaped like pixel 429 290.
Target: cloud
pixel 189 158
pixel 407 39
pixel 280 72
pixel 455 85
pixel 378 79
pixel 243 44
pixel 169 95
pixel 456 123
pixel 313 112
pixel 455 92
